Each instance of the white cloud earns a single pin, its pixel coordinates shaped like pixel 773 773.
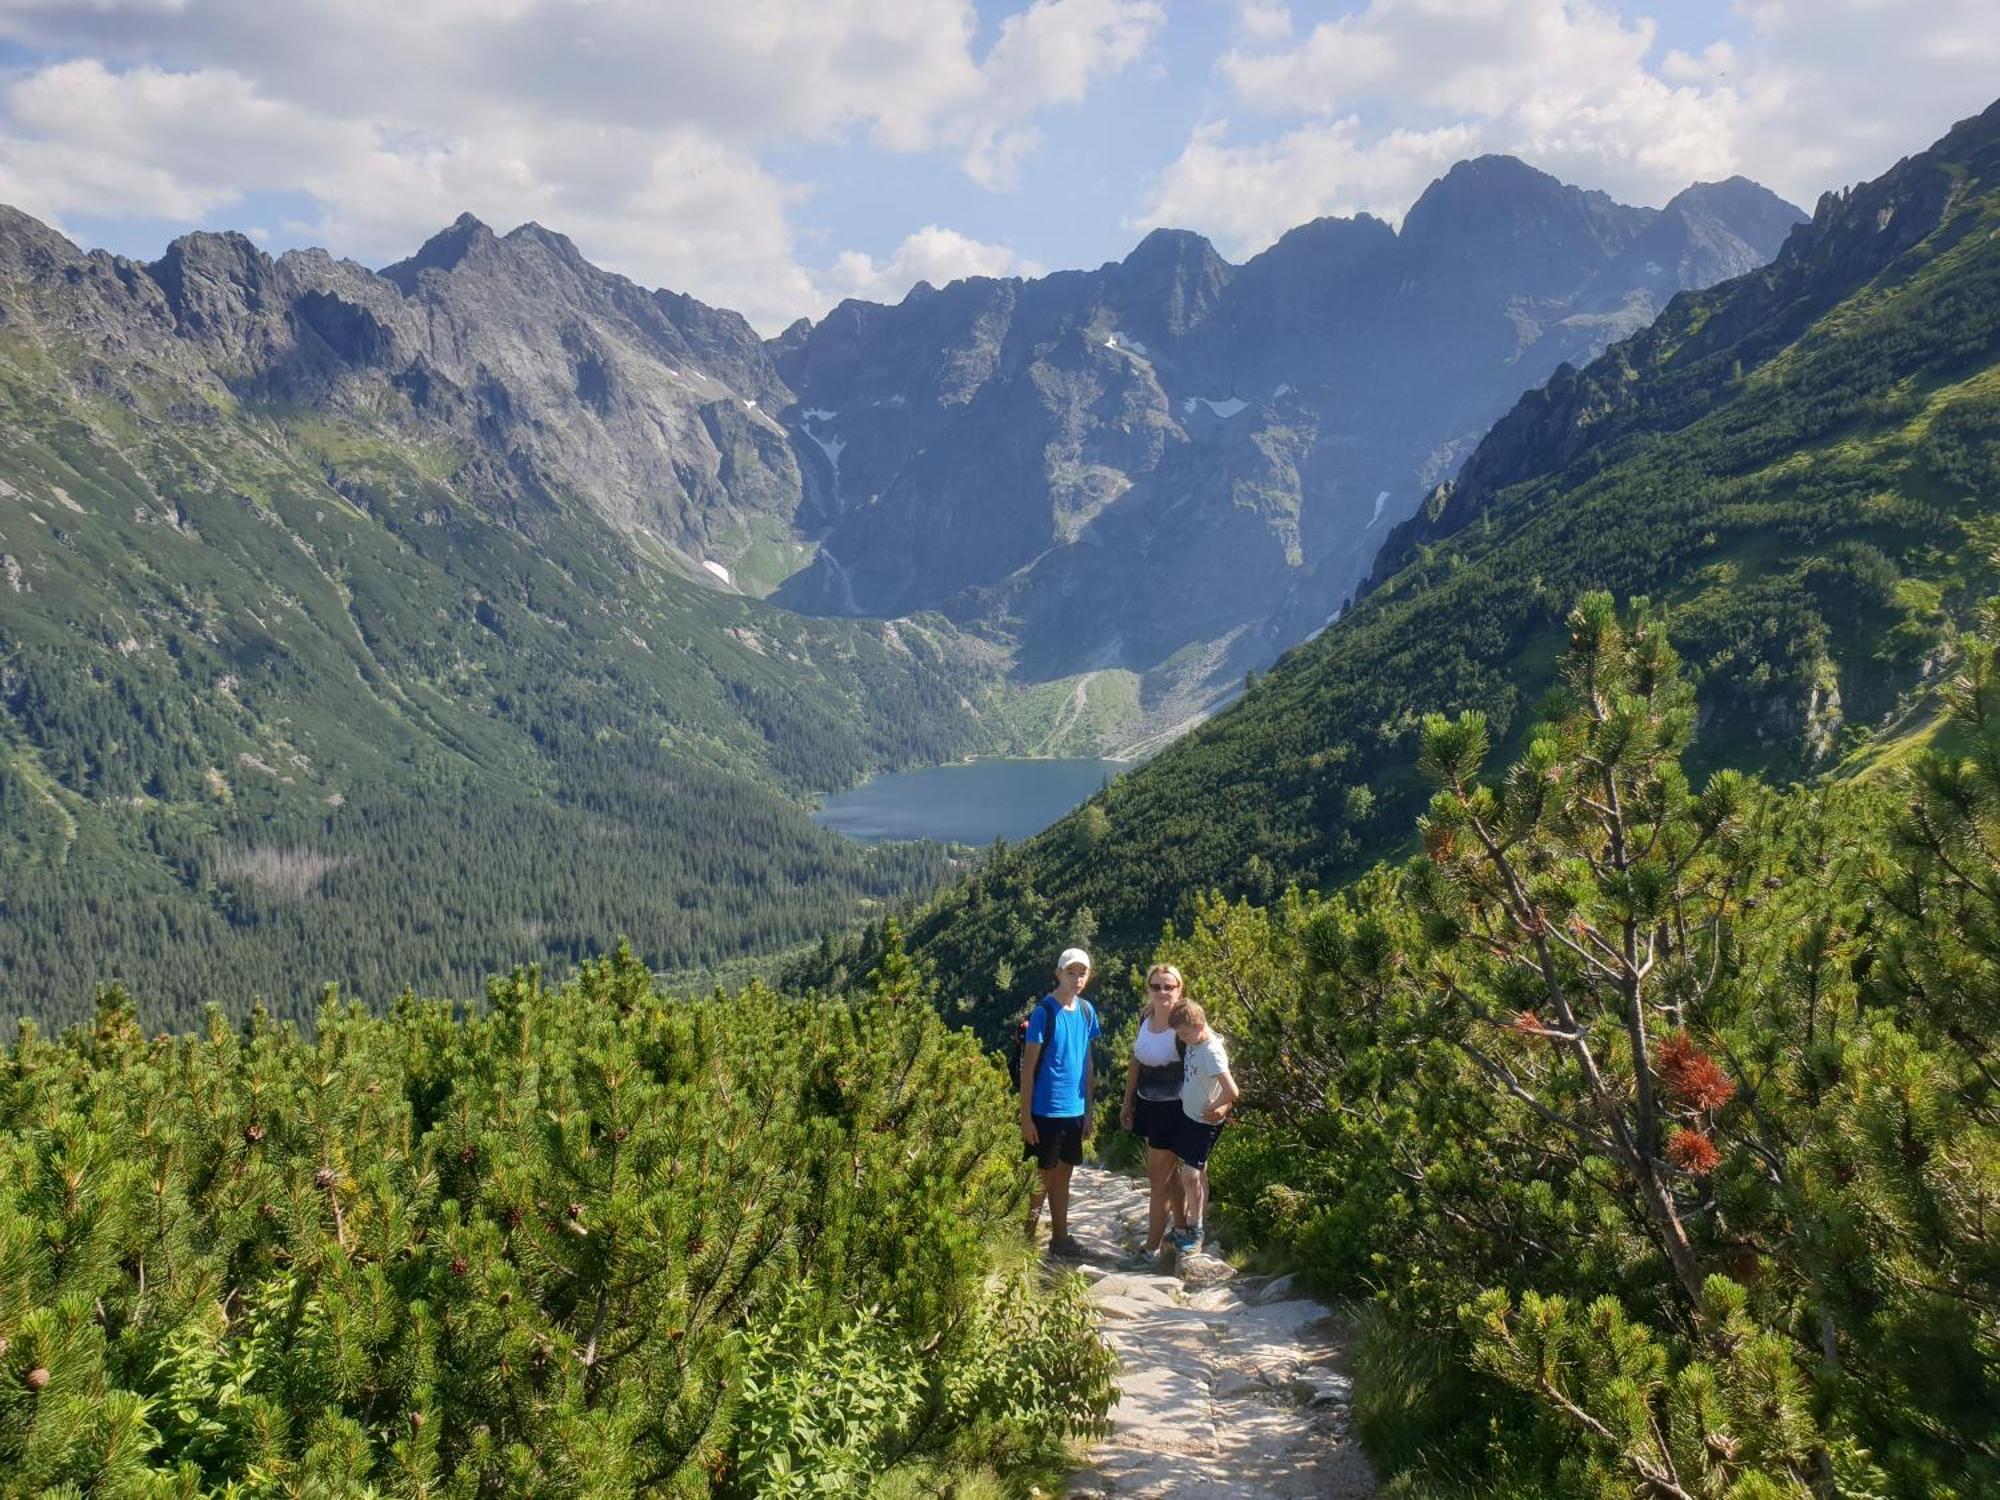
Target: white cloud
pixel 1264 22
pixel 932 254
pixel 636 126
pixel 1244 196
pixel 1812 94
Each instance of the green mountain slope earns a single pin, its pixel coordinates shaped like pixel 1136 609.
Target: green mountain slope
pixel 287 695
pixel 1802 463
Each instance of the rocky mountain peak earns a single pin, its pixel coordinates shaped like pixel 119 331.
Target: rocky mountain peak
pixel 1736 199
pixel 1327 246
pixel 1170 281
pixel 1485 205
pixel 465 238
pixel 214 281
pixel 1862 225
pixel 1482 187
pixel 560 246
pixel 28 245
pixel 1175 249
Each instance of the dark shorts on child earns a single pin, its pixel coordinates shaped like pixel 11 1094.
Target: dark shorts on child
pixel 1059 1139
pixel 1157 1122
pixel 1197 1139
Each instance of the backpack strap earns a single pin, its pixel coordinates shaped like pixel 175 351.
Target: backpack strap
pixel 1047 1004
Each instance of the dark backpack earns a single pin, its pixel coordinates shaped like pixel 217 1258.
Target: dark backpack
pixel 1017 1050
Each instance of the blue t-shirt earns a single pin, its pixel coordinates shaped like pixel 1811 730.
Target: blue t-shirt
pixel 1059 1081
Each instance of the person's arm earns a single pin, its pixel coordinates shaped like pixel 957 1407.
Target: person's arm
pixel 1031 1053
pixel 1131 1093
pixel 1089 1090
pixel 1219 1111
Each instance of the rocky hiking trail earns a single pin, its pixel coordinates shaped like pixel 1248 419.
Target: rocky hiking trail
pixel 1231 1386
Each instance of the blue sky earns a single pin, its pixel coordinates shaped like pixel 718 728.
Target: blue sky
pixel 775 155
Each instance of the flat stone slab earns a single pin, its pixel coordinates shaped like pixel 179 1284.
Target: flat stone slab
pixel 1228 1390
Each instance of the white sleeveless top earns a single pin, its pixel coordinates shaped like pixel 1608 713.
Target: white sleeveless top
pixel 1158 1054
pixel 1155 1047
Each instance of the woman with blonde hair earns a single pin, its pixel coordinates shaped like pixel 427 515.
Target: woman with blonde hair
pixel 1152 1105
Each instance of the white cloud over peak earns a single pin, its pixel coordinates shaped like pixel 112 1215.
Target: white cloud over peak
pixel 1377 101
pixel 1244 196
pixel 939 256
pixel 635 126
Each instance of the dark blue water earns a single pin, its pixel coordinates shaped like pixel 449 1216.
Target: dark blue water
pixel 969 804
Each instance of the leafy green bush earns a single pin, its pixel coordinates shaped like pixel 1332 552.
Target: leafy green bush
pixel 589 1240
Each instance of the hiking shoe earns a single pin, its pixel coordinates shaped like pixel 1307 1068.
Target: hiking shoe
pixel 1187 1241
pixel 1066 1248
pixel 1141 1260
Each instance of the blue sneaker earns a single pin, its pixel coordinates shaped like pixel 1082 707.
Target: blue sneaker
pixel 1187 1241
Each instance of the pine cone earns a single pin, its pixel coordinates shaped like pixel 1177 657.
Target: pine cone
pixel 252 1133
pixel 468 1154
pixel 460 1266
pixel 38 1378
pixel 323 1178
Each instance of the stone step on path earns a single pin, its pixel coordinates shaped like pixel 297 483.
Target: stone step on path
pixel 1230 1387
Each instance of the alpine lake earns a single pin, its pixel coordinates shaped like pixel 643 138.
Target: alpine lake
pixel 972 803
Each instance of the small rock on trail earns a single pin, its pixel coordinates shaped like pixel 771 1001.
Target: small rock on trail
pixel 1230 1386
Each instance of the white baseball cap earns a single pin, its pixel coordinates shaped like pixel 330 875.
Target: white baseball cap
pixel 1072 956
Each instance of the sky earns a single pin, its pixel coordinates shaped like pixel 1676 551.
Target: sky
pixel 775 156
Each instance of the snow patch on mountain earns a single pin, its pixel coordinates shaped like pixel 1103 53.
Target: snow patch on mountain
pixel 1226 407
pixel 832 447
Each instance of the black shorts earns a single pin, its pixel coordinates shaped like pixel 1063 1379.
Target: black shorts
pixel 1197 1139
pixel 1057 1139
pixel 1158 1122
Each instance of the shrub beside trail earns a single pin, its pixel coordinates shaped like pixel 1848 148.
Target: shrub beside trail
pixel 589 1240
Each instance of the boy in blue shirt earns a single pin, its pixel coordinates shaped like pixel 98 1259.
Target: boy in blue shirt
pixel 1059 1087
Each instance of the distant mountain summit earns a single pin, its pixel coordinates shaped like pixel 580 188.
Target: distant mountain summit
pixel 1177 466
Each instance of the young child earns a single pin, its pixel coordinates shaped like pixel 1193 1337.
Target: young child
pixel 1208 1093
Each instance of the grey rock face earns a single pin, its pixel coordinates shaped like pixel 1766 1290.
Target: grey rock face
pixel 554 382
pixel 1181 467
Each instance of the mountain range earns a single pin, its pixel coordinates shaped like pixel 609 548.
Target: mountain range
pixel 1801 463
pixel 1172 468
pixel 392 626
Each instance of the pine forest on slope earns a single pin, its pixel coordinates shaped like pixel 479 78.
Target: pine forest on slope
pixel 1802 463
pixel 391 628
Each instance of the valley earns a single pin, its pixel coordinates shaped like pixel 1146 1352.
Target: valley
pixel 397 627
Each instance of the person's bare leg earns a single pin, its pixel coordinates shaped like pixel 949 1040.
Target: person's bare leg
pixel 1194 1186
pixel 1176 1194
pixel 1055 1183
pixel 1164 1183
pixel 1035 1196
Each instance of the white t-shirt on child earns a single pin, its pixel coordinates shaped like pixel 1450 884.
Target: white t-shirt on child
pixel 1201 1076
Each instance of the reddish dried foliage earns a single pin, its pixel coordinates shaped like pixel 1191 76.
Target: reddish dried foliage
pixel 1694 1152
pixel 1692 1077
